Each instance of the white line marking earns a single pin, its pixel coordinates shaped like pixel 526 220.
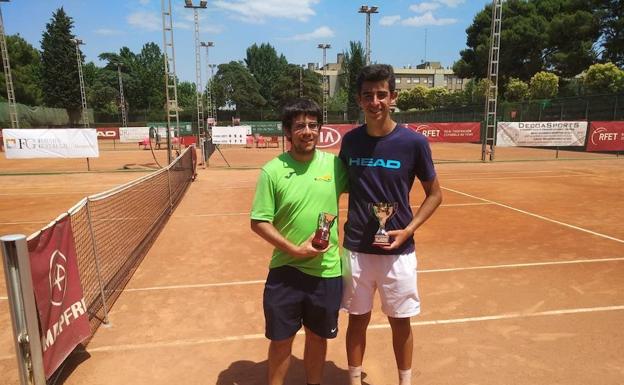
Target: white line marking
pixel 4 298
pixel 454 269
pixel 537 216
pixel 515 177
pixel 342 210
pixel 24 223
pixel 244 337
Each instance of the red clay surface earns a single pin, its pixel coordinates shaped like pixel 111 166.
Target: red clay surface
pixel 521 278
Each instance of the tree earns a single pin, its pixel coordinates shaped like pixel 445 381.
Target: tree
pixel 59 69
pixel 338 102
pixel 266 67
pixel 611 14
pixel 101 88
pixel 150 75
pixel 516 90
pixel 604 78
pixel 353 63
pixel 476 91
pixel 536 35
pixel 544 85
pixel 25 71
pixel 187 96
pixel 287 85
pixel 437 97
pixel 235 87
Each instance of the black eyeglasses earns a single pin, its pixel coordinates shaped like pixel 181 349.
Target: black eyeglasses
pixel 300 126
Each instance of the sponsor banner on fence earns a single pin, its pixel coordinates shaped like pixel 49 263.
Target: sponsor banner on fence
pixel 230 134
pixel 133 134
pixel 330 135
pixel 26 143
pixel 456 132
pixel 606 136
pixel 265 128
pixel 58 293
pixel 541 134
pixel 107 132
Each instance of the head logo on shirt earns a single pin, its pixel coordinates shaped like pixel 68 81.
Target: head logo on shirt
pixel 375 162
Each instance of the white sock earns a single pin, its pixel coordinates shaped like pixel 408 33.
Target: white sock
pixel 405 377
pixel 355 375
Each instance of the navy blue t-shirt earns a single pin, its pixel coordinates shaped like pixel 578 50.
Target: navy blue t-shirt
pixel 382 169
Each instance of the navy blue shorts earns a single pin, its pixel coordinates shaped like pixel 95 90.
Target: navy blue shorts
pixel 292 298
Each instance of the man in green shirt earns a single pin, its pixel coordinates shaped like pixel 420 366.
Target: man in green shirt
pixel 304 284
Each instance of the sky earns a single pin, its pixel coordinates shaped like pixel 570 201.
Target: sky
pixel 403 33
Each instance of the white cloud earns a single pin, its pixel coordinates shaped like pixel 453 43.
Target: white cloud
pixel 108 32
pixel 258 11
pixel 319 33
pixel 451 3
pixel 427 19
pixel 147 21
pixel 182 25
pixel 424 7
pixel 144 2
pixel 389 20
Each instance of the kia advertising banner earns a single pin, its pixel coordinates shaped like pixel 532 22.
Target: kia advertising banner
pixel 107 132
pixel 541 134
pixel 330 135
pixel 60 301
pixel 230 134
pixel 456 132
pixel 27 143
pixel 606 136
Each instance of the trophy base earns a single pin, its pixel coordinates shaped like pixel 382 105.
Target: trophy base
pixel 321 239
pixel 382 240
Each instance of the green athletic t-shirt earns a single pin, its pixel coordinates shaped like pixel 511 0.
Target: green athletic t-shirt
pixel 291 194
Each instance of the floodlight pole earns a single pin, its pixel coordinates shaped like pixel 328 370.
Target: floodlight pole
pixel 210 91
pixel 210 111
pixel 301 80
pixel 324 47
pixel 488 144
pixel 198 79
pixel 83 96
pixel 368 10
pixel 7 75
pixel 122 101
pixel 171 83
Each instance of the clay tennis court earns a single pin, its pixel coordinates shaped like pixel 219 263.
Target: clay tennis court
pixel 521 277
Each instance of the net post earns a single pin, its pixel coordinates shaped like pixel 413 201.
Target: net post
pixel 23 309
pixel 97 263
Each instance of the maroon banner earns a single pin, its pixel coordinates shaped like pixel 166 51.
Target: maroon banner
pixel 606 136
pixel 456 132
pixel 331 135
pixel 58 293
pixel 107 132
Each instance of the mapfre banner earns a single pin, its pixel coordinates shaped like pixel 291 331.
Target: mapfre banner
pixel 457 132
pixel 58 293
pixel 27 143
pixel 541 134
pixel 606 136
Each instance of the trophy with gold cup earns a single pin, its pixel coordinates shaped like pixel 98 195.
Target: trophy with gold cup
pixel 382 211
pixel 321 237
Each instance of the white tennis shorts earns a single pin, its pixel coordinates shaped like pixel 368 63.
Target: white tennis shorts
pixel 393 275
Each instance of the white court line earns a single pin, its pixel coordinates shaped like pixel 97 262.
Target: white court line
pixel 203 341
pixel 518 177
pixel 24 223
pixel 537 215
pixel 454 269
pixel 47 193
pixel 4 298
pixel 343 210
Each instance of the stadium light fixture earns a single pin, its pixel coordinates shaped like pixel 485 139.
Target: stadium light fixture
pixel 368 10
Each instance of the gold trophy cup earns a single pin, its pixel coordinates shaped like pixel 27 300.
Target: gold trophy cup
pixel 321 237
pixel 383 211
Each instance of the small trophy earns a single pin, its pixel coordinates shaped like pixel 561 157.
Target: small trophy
pixel 383 211
pixel 321 237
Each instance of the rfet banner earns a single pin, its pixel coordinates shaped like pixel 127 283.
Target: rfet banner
pixel 541 134
pixel 58 293
pixel 107 132
pixel 606 136
pixel 457 132
pixel 29 143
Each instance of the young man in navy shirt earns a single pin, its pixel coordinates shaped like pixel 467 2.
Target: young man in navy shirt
pixel 383 160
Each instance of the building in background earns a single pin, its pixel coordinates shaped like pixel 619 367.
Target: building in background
pixel 427 74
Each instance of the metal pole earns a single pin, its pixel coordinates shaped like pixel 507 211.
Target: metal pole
pixel 368 10
pixel 300 81
pixel 122 101
pixel 83 96
pixel 324 47
pixel 7 75
pixel 97 263
pixel 23 309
